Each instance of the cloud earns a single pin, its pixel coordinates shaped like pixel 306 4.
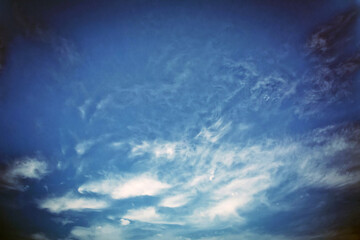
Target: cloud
pixel 148 214
pixel 117 145
pixel 139 186
pixel 175 201
pixel 214 132
pixel 243 186
pixel 39 236
pixel 30 168
pixel 328 35
pixel 63 221
pixel 124 222
pixel 157 149
pixel 98 232
pixel 222 210
pixel 71 202
pixel 205 171
pixel 142 185
pixel 227 179
pixel 330 79
pixel 264 236
pixel 83 147
pixel 182 124
pixel 83 108
pixel 226 199
pixel 26 168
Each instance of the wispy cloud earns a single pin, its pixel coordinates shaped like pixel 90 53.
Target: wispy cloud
pixel 175 201
pixel 264 236
pixel 157 149
pixel 120 188
pixel 124 222
pixel 221 210
pixel 97 232
pixel 26 168
pixel 214 132
pixel 39 236
pixel 71 202
pixel 82 147
pixel 227 178
pixel 148 215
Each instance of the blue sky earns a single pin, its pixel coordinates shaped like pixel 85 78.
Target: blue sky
pixel 179 120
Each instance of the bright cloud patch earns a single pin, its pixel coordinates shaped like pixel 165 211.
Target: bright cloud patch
pixel 222 210
pixel 70 202
pixel 27 168
pixel 175 201
pixel 143 185
pixel 148 214
pixel 124 222
pixel 157 149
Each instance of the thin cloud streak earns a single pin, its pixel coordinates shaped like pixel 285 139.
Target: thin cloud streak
pixel 70 202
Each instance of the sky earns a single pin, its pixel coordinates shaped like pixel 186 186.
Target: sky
pixel 180 120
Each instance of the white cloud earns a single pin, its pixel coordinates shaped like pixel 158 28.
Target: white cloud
pixel 148 214
pixel 223 179
pixel 98 232
pixel 71 202
pixel 27 168
pixel 264 236
pixel 83 108
pixel 175 201
pixel 199 179
pixel 117 145
pixel 124 222
pixel 165 150
pixel 220 189
pixel 214 132
pixel 228 198
pixel 226 179
pixel 104 102
pixel 139 186
pixel 143 185
pixel 140 148
pixel 30 168
pixel 157 149
pixel 243 186
pixel 105 186
pixel 39 236
pixel 227 207
pixel 83 147
pixel 313 173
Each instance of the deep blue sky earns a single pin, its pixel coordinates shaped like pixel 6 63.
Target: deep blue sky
pixel 179 120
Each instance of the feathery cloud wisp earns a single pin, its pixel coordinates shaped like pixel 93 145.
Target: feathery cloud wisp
pixel 71 202
pixel 142 185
